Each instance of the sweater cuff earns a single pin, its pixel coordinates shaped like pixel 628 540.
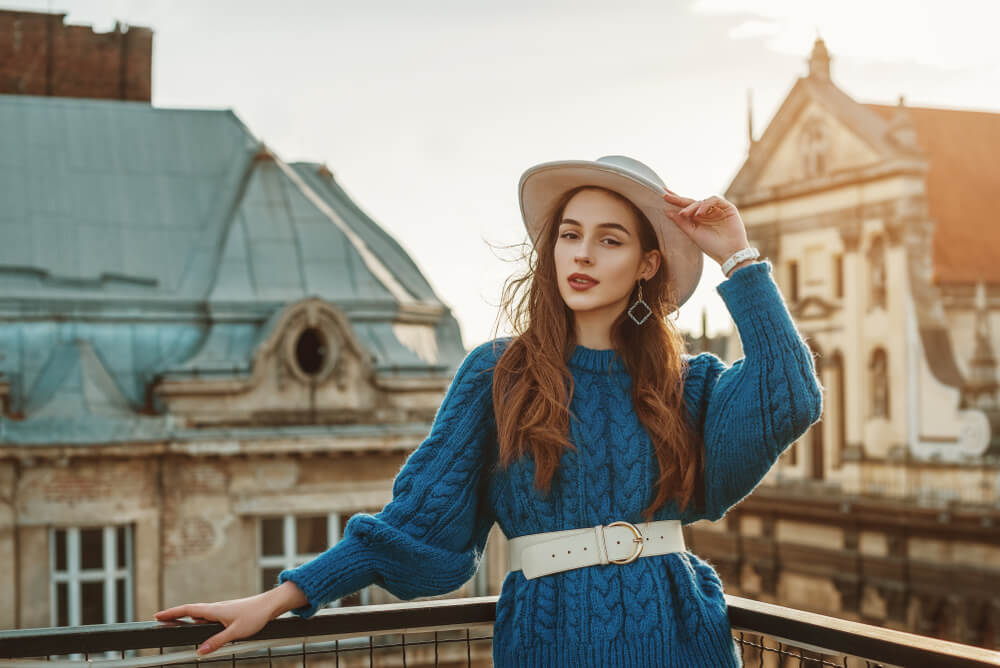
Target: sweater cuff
pixel 757 307
pixel 341 570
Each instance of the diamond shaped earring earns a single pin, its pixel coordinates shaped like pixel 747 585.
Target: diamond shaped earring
pixel 639 304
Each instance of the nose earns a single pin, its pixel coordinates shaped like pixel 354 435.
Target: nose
pixel 582 259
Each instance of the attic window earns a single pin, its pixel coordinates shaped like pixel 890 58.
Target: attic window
pixel 311 351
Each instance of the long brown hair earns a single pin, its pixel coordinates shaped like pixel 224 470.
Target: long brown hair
pixel 532 385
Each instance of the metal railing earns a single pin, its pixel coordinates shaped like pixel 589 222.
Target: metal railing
pixel 431 632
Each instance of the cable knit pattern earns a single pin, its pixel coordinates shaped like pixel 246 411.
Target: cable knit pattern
pixel 665 610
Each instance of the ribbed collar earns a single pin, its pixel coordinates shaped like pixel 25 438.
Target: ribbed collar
pixel 594 359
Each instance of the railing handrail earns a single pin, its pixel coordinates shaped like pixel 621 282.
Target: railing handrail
pixel 823 633
pixel 405 617
pixel 800 628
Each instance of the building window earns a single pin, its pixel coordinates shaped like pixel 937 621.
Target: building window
pixel 310 351
pixel 878 369
pixel 287 541
pixel 838 276
pixel 793 281
pixel 92 581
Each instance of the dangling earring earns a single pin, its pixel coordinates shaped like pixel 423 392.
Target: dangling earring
pixel 639 304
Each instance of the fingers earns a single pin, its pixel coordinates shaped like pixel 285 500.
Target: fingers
pixel 172 613
pixel 689 210
pixel 194 610
pixel 710 207
pixel 218 640
pixel 674 198
pixel 683 222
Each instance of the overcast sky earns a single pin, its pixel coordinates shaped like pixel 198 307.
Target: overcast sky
pixel 428 112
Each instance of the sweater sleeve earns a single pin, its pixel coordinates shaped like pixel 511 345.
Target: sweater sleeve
pixel 429 538
pixel 751 411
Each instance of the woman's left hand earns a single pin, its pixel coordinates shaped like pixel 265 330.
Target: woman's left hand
pixel 713 224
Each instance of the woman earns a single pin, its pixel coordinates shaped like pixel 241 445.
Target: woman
pixel 588 436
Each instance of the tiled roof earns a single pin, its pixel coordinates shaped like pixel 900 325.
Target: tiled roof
pixel 963 149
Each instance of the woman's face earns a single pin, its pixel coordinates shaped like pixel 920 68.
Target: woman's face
pixel 598 236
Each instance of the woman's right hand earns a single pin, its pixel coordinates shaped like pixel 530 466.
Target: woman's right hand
pixel 242 617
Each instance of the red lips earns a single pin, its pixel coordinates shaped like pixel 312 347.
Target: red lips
pixel 580 281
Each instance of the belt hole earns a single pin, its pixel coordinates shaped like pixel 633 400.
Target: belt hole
pixel 569 551
pixel 619 542
pixel 553 556
pixel 661 536
pixel 585 549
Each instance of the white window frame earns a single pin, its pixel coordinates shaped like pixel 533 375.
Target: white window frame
pixel 74 574
pixel 289 557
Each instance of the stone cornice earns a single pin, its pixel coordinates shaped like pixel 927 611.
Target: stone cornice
pixel 317 445
pixel 901 166
pixel 901 217
pixel 234 386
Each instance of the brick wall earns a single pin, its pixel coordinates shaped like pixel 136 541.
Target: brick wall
pixel 40 55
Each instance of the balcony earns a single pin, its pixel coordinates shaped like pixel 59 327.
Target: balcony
pixel 457 632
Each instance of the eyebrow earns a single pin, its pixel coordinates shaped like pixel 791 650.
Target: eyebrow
pixel 614 226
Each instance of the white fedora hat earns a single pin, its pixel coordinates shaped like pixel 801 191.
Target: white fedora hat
pixel 541 187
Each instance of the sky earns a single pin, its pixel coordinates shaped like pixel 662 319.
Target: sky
pixel 428 112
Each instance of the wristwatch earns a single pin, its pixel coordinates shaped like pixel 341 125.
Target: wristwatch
pixel 737 257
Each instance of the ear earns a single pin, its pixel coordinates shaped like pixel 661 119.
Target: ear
pixel 650 264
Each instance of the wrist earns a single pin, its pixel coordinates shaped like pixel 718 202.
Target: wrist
pixel 738 258
pixel 286 596
pixel 741 264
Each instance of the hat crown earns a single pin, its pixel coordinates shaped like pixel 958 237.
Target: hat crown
pixel 632 165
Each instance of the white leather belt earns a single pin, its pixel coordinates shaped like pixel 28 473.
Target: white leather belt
pixel 616 543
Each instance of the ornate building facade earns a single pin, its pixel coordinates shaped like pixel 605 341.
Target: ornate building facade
pixel 209 360
pixel 880 223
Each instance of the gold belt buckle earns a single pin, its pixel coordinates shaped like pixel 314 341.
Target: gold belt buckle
pixel 638 539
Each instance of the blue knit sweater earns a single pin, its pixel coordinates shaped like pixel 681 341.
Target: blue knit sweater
pixel 665 610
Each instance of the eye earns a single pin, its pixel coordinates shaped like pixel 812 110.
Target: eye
pixel 614 242
pixel 567 235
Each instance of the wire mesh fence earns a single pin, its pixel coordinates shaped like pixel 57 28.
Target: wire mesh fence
pixel 458 632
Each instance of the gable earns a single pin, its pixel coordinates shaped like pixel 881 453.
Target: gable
pixel 817 133
pixel 817 143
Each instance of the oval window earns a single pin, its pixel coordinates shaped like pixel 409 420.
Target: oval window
pixel 311 351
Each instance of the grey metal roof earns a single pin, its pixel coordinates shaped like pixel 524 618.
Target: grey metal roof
pixel 140 242
pixel 105 198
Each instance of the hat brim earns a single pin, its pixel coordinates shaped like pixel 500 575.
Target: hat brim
pixel 542 185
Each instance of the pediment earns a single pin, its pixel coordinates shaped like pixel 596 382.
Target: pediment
pixel 815 145
pixel 818 132
pixel 813 307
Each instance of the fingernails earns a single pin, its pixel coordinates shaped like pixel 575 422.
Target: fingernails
pixel 204 649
